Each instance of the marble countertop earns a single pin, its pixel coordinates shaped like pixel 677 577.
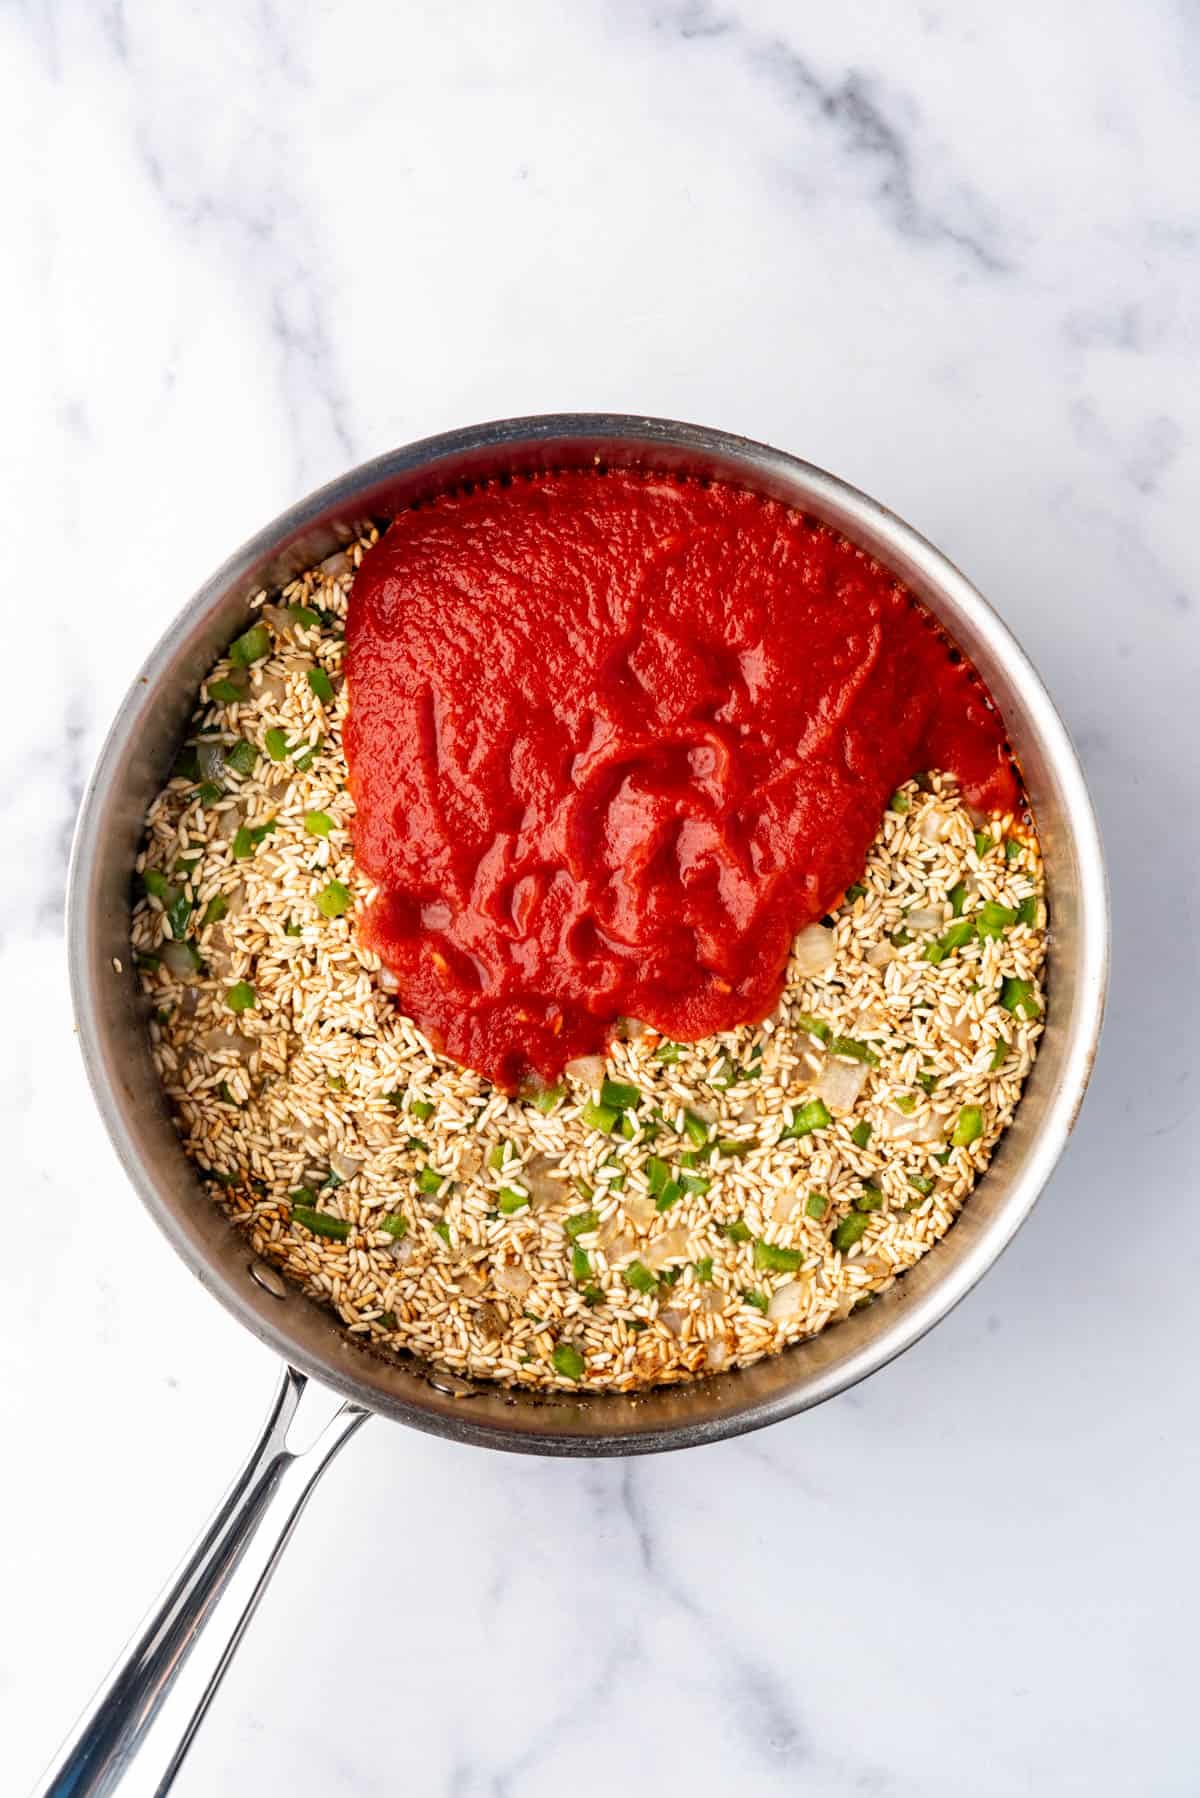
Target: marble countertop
pixel 951 252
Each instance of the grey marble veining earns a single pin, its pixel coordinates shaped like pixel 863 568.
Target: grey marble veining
pixel 951 252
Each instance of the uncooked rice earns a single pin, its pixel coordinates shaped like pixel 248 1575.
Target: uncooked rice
pixel 322 1095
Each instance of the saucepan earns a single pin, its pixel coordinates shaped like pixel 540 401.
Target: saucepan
pixel 138 1728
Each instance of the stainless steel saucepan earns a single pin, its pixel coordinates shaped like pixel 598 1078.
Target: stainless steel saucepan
pixel 139 1726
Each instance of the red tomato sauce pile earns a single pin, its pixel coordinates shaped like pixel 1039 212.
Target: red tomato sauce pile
pixel 614 739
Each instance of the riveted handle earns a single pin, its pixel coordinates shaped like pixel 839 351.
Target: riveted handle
pixel 137 1729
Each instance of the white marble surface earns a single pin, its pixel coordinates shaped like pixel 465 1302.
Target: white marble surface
pixel 951 251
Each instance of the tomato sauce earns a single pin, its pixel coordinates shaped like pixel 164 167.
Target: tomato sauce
pixel 614 739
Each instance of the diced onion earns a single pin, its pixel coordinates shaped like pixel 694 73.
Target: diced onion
pixel 841 1083
pixel 934 825
pixel 809 1066
pixel 345 1166
pixel 336 564
pixel 670 1246
pixel 272 687
pixel 588 1070
pixel 640 1212
pixel 279 619
pixel 716 1355
pixel 787 1302
pixel 672 1320
pixel 879 955
pixel 403 1250
pixel 219 956
pixel 813 950
pixel 177 958
pixel 470 1160
pixel 388 981
pixel 929 1128
pixel 783 1206
pixel 926 917
pixel 469 1282
pixel 513 1279
pixel 210 758
pixel 536 1176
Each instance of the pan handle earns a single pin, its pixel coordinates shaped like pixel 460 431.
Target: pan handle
pixel 140 1724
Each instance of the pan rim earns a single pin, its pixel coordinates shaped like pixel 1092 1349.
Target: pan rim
pixel 561 1432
